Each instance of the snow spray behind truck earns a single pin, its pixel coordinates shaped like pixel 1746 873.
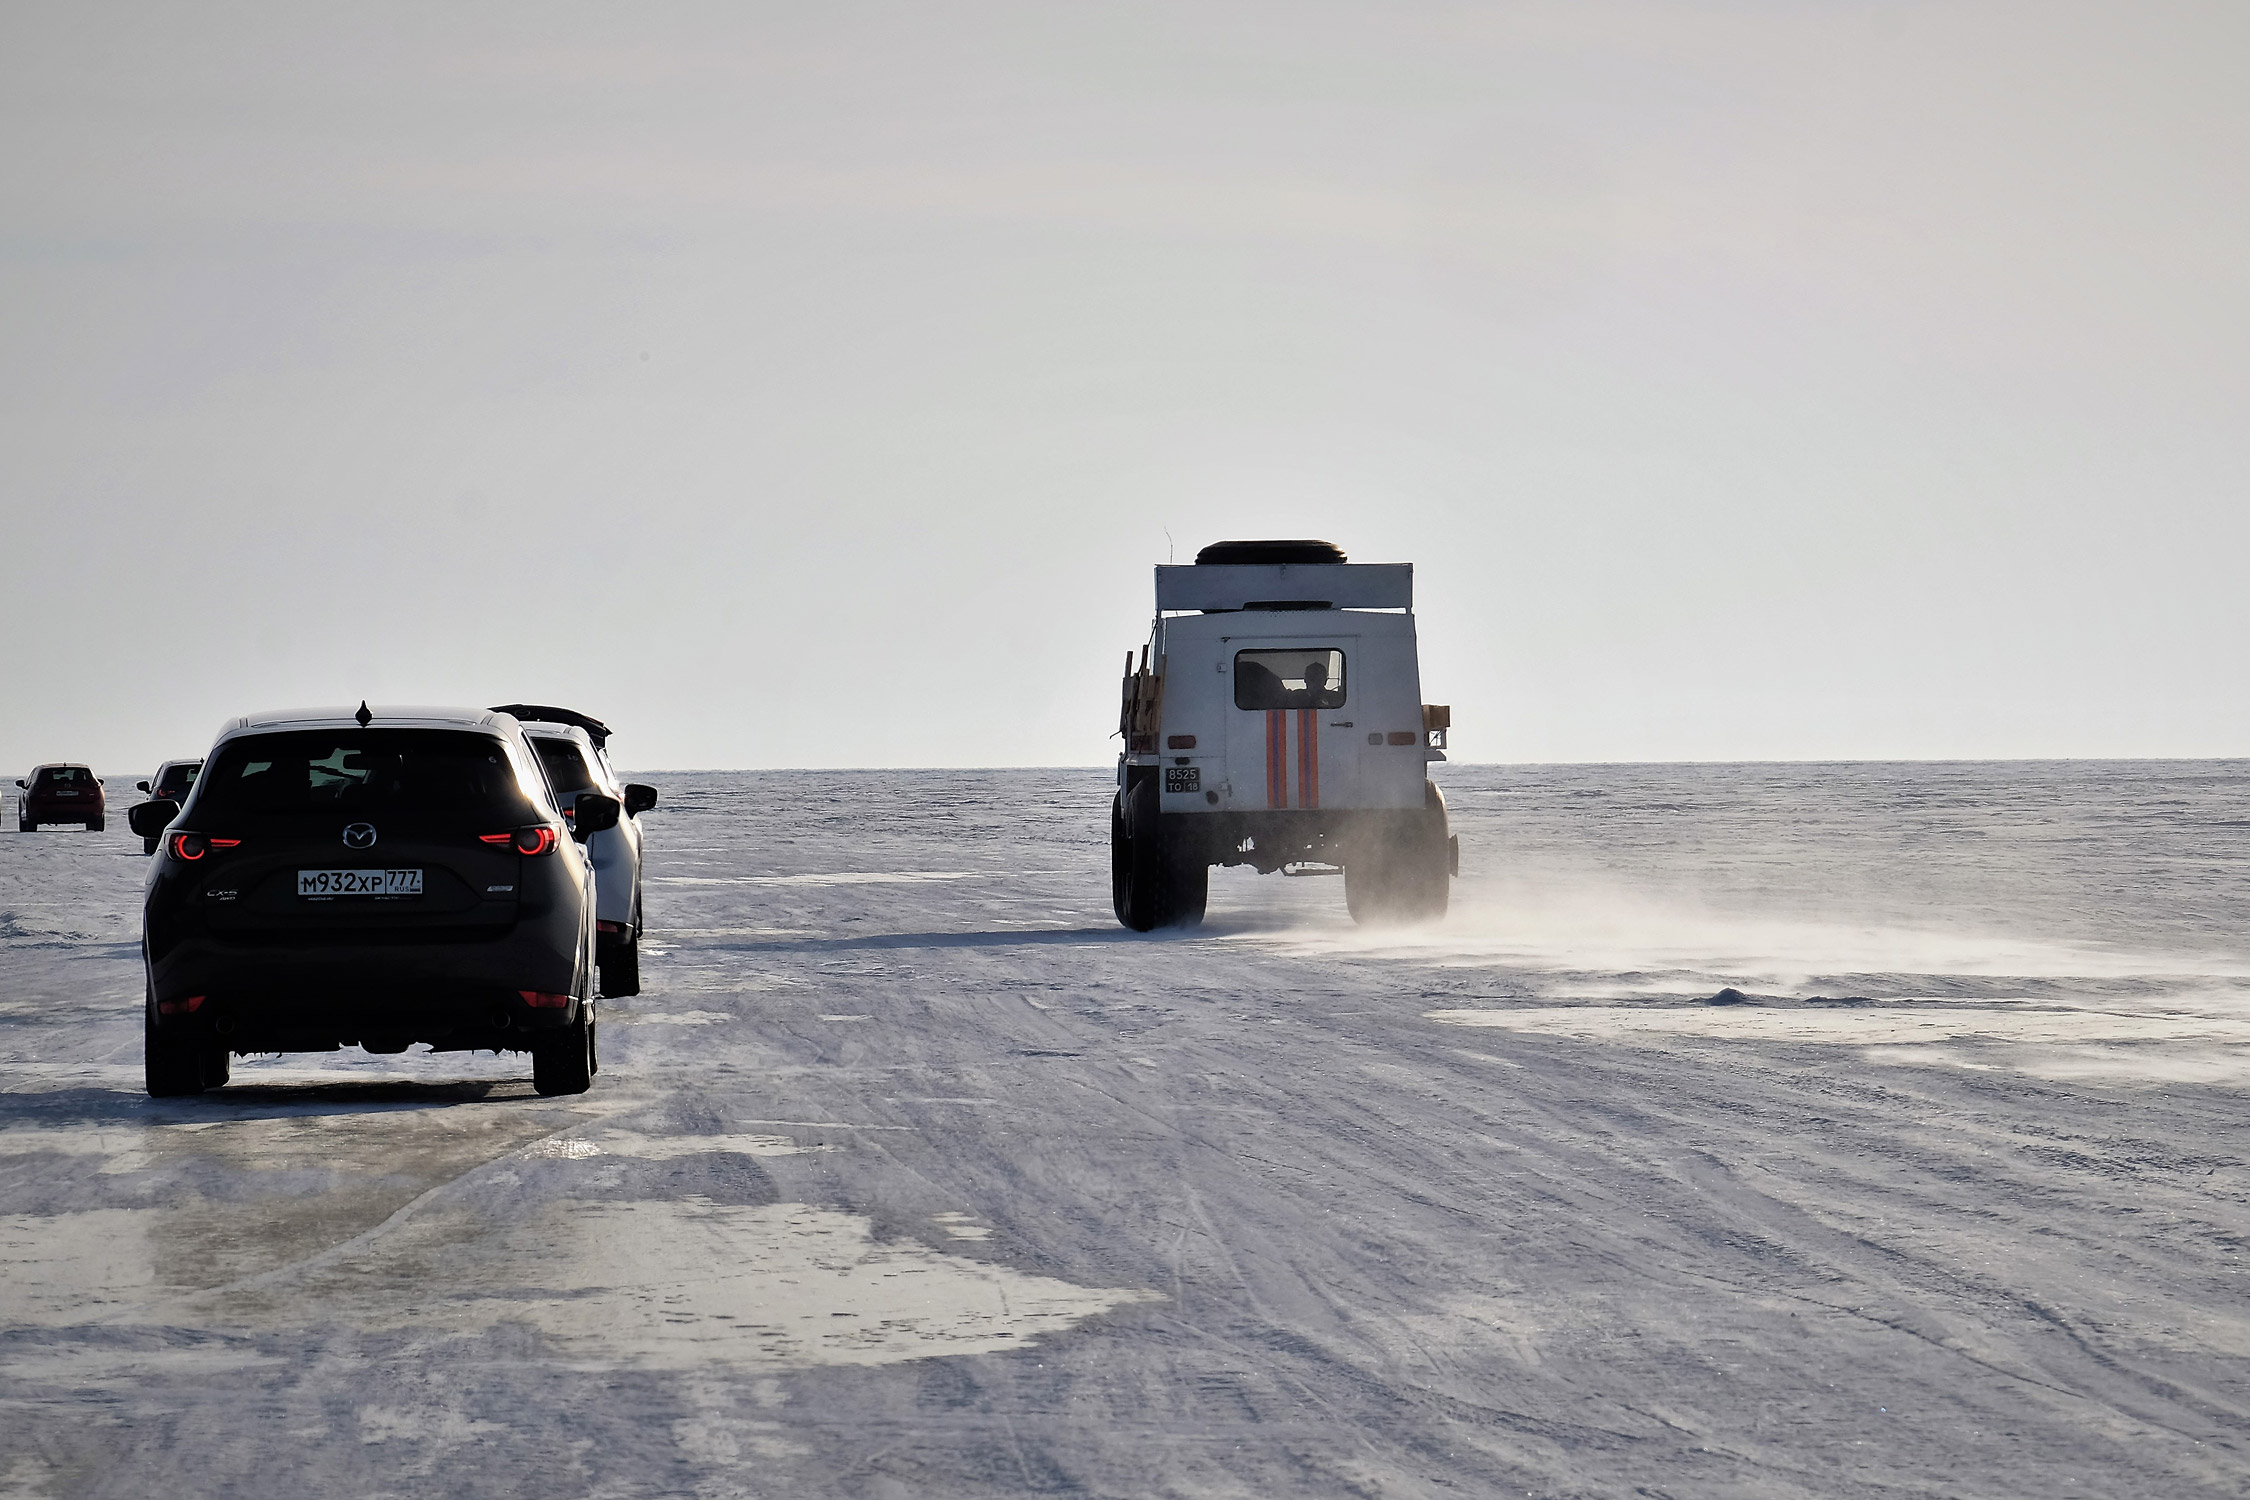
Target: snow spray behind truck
pixel 1275 719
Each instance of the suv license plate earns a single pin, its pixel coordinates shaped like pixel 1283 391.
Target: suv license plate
pixel 1183 778
pixel 359 882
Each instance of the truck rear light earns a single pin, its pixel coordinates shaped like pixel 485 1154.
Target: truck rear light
pixel 541 1000
pixel 188 1006
pixel 1402 736
pixel 1180 742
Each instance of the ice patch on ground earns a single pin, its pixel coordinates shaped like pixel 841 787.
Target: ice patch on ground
pixel 2030 1037
pixel 871 877
pixel 667 1147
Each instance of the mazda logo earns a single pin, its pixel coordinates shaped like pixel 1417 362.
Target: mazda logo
pixel 360 836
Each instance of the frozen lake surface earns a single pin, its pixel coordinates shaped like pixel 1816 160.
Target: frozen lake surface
pixel 912 1175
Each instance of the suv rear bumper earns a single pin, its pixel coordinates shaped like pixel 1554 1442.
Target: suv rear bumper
pixel 278 999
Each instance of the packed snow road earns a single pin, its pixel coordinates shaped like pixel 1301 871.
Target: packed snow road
pixel 911 1174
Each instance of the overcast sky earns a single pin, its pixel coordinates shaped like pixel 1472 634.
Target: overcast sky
pixel 816 384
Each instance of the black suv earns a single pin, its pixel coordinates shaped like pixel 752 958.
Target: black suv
pixel 378 879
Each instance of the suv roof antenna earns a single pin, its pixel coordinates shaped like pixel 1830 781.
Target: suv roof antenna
pixel 363 715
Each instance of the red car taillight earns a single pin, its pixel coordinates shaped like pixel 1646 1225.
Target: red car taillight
pixel 543 1000
pixel 196 845
pixel 537 839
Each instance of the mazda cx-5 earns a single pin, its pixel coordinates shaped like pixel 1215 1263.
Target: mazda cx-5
pixel 373 879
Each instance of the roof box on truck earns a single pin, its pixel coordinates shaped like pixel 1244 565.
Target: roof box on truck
pixel 1266 553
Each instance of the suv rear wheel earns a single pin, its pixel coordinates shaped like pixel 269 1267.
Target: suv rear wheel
pixel 172 1066
pixel 562 1062
pixel 620 962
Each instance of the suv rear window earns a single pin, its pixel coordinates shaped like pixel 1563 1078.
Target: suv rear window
pixel 435 775
pixel 1306 677
pixel 174 783
pixel 565 767
pixel 57 775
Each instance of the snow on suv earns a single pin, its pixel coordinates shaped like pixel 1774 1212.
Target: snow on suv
pixel 1276 720
pixel 572 750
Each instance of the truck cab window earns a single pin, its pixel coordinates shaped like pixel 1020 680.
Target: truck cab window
pixel 1301 677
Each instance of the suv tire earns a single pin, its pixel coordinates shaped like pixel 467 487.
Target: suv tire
pixel 171 1066
pixel 621 971
pixel 564 1062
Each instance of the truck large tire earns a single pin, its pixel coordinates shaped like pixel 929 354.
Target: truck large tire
pixel 1152 885
pixel 1401 874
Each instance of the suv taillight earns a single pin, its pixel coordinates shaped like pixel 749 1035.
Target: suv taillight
pixel 196 845
pixel 539 838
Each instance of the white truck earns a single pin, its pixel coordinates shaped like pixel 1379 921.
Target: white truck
pixel 1275 719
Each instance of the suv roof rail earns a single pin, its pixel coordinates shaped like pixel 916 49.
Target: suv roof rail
pixel 1271 552
pixel 595 729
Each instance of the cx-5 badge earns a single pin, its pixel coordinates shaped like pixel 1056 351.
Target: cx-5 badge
pixel 360 836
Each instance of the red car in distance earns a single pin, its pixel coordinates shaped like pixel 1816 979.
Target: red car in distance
pixel 60 794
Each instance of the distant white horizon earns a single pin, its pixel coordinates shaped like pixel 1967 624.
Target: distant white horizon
pixel 1855 380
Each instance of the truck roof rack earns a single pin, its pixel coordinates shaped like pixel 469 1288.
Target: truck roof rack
pixel 1285 586
pixel 547 713
pixel 1270 552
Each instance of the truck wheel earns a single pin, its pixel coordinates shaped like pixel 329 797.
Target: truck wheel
pixel 1187 888
pixel 564 1062
pixel 1133 866
pixel 1152 885
pixel 1400 874
pixel 171 1066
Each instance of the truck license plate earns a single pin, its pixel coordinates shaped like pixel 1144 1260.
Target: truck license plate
pixel 359 882
pixel 1183 778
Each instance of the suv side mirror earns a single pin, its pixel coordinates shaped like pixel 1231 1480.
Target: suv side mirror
pixel 638 798
pixel 150 819
pixel 19 781
pixel 141 786
pixel 595 813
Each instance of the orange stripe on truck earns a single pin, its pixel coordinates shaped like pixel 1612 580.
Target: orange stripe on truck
pixel 1277 757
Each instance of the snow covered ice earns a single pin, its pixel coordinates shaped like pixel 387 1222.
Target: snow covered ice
pixel 911 1173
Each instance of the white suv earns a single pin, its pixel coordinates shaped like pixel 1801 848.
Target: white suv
pixel 571 751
